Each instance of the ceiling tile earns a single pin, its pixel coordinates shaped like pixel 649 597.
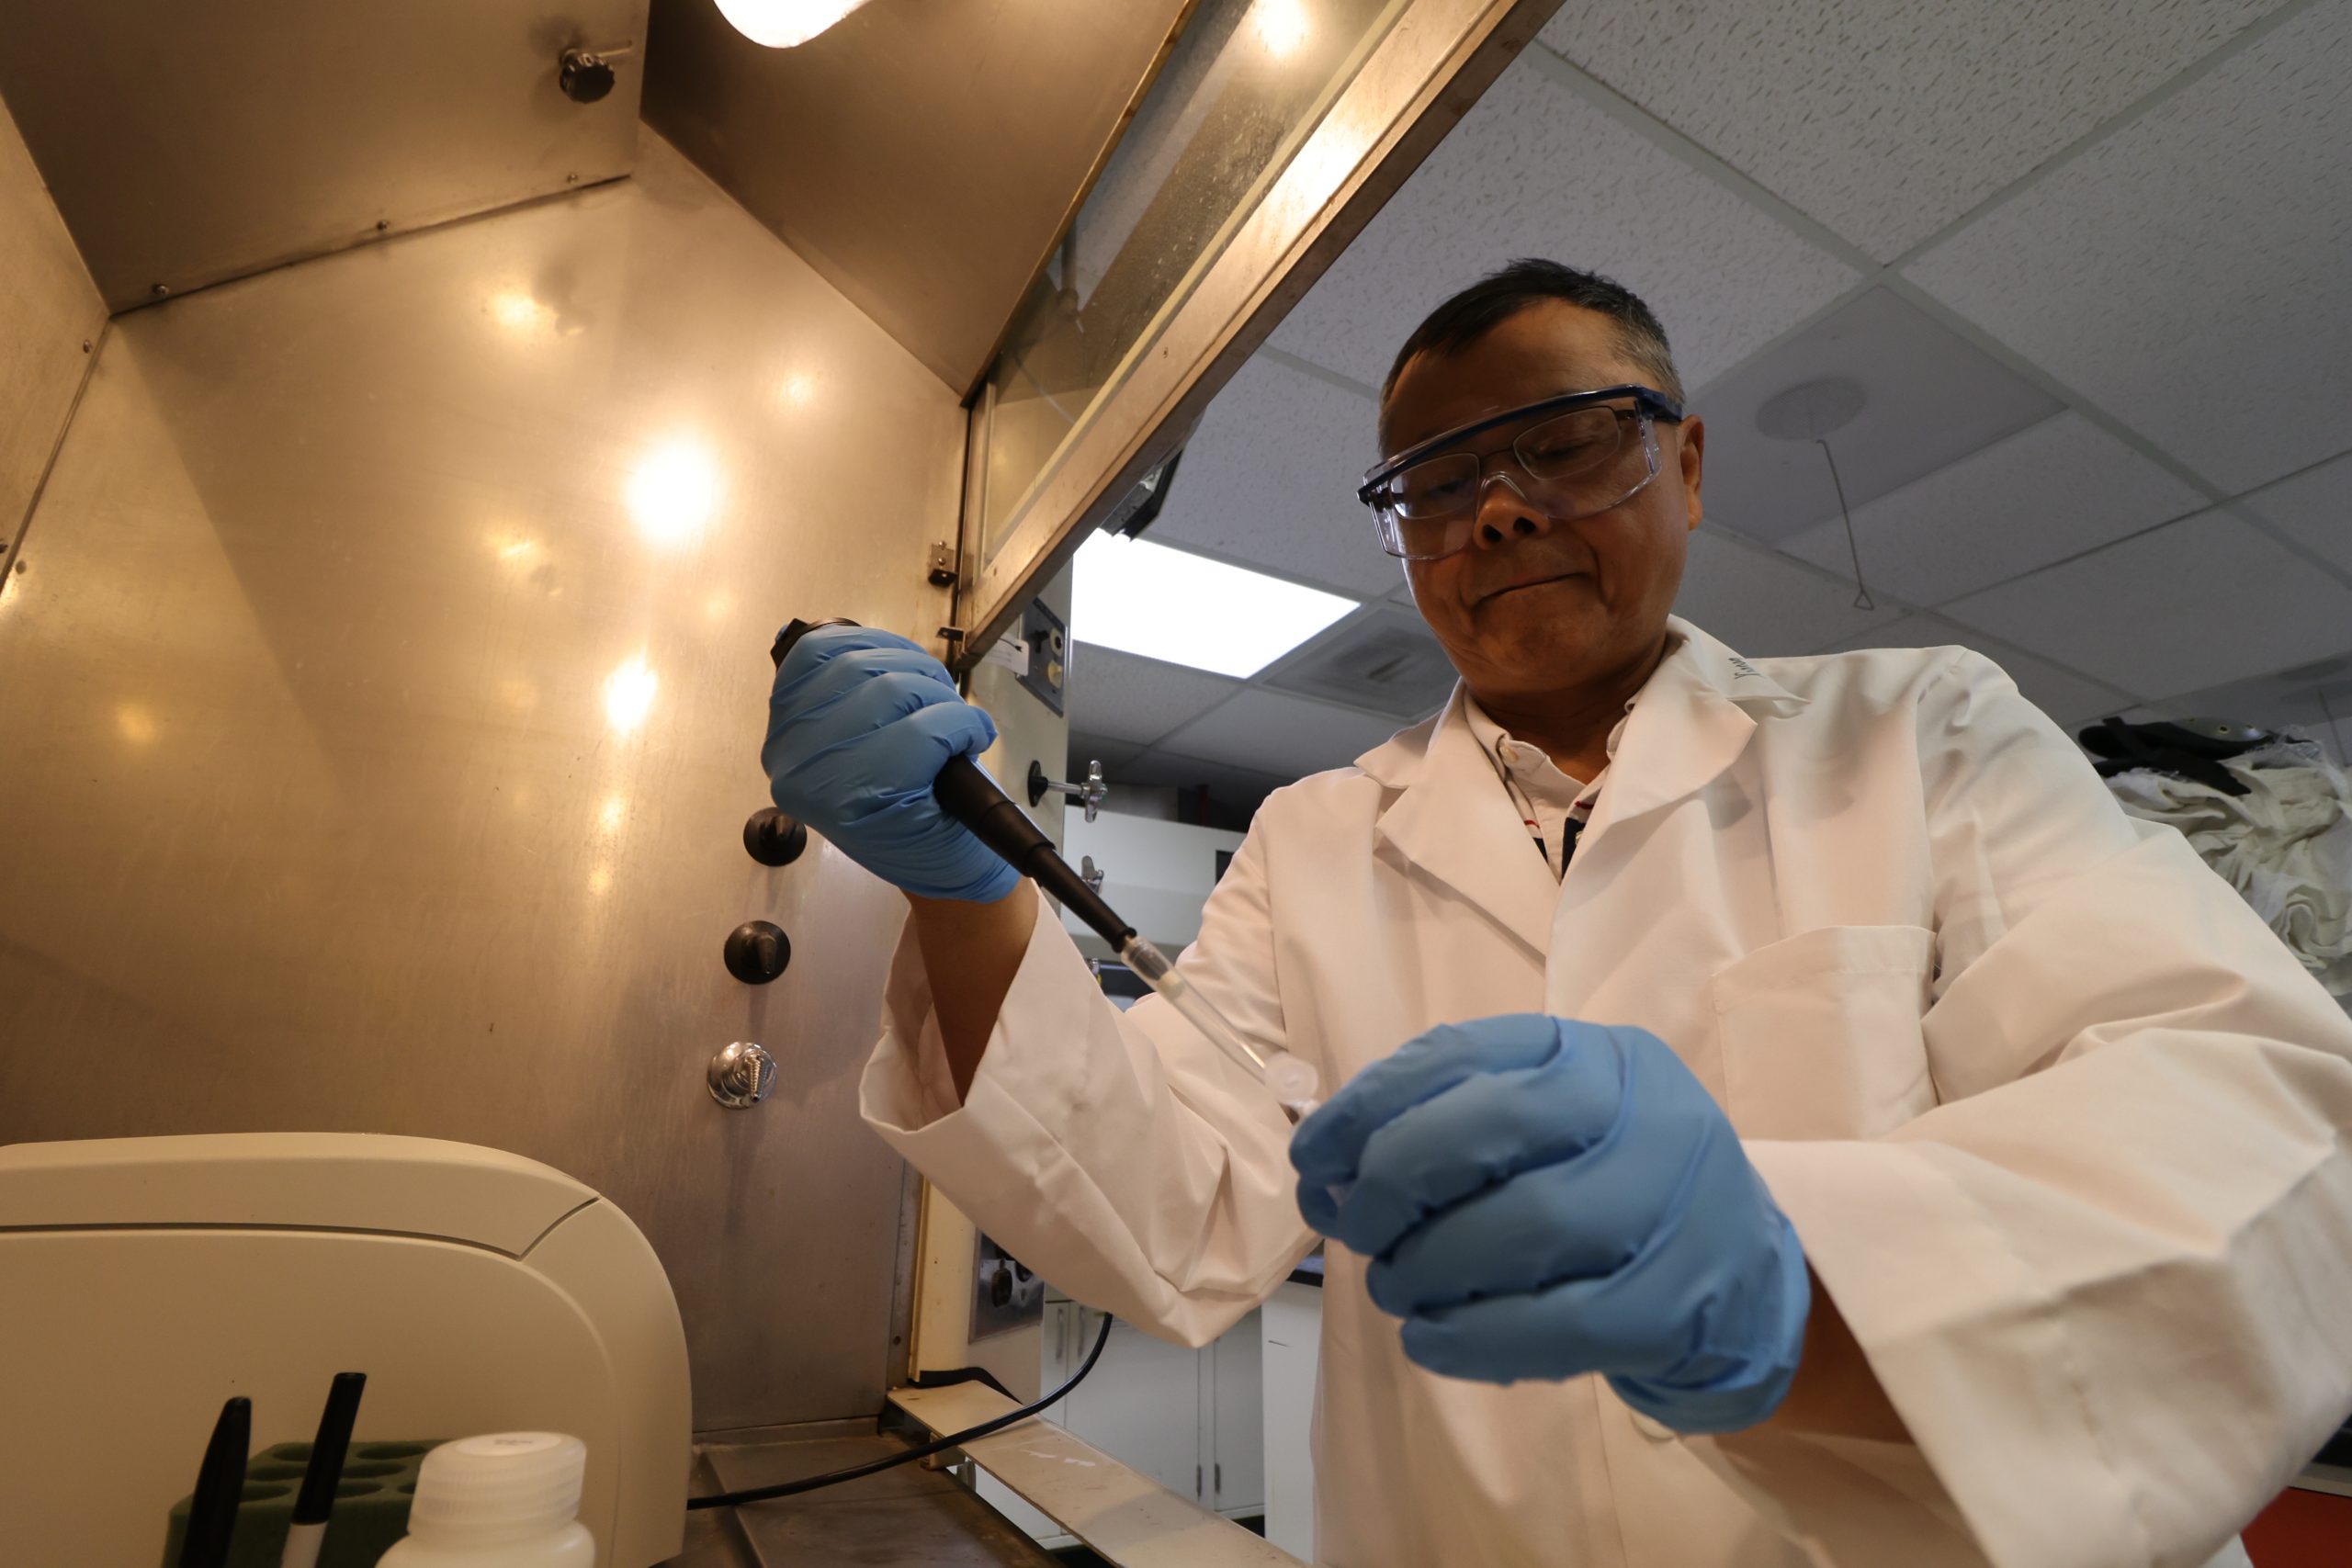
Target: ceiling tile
pixel 1122 696
pixel 1238 788
pixel 2189 273
pixel 1270 477
pixel 1381 658
pixel 2054 489
pixel 2314 508
pixel 2312 696
pixel 1269 732
pixel 1113 755
pixel 1534 170
pixel 2071 699
pixel 1764 604
pixel 1931 397
pixel 1886 119
pixel 2206 600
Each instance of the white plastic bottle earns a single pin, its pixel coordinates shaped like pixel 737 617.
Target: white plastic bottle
pixel 508 1500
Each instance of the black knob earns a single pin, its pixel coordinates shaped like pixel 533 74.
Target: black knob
pixel 585 78
pixel 774 839
pixel 1001 1287
pixel 757 951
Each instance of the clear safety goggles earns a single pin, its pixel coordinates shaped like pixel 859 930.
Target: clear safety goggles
pixel 1577 454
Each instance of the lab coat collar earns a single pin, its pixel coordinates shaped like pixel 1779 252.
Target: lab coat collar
pixel 1453 821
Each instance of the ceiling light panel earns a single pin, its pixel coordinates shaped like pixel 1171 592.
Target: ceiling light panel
pixel 1139 597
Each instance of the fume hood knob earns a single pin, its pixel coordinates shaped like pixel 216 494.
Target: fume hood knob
pixel 587 75
pixel 741 1076
pixel 772 838
pixel 757 951
pixel 1090 794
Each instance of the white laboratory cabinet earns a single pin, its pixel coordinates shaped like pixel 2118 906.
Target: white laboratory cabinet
pixel 1192 1420
pixel 1291 1339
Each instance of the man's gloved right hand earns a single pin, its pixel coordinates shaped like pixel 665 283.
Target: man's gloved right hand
pixel 859 723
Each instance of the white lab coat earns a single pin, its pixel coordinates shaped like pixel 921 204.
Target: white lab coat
pixel 2055 1116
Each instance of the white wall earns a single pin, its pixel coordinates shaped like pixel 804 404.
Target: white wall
pixel 1157 874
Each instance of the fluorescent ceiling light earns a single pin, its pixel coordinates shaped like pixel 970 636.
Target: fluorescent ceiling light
pixel 1145 598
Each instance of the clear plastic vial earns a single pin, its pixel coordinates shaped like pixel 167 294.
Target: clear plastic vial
pixel 507 1500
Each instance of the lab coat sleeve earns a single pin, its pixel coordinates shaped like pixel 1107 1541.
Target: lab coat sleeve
pixel 2105 1280
pixel 1120 1156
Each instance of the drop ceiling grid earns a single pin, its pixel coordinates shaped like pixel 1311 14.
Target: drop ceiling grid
pixel 2238 187
pixel 1534 170
pixel 1825 103
pixel 1125 696
pixel 2313 506
pixel 1340 338
pixel 1269 479
pixel 1893 276
pixel 2195 602
pixel 2057 489
pixel 2071 699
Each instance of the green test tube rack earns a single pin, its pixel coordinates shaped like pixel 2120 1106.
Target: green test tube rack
pixel 370 1505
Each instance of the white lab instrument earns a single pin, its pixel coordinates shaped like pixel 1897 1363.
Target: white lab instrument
pixel 502 1500
pixel 142 1279
pixel 2054 1116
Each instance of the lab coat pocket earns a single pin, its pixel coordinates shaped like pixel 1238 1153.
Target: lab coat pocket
pixel 1821 1034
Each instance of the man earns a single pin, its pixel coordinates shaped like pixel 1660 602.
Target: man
pixel 1788 1115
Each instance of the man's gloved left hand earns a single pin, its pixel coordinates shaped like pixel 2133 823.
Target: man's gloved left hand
pixel 1541 1198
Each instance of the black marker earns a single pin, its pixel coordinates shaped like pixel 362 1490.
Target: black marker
pixel 316 1500
pixel 219 1484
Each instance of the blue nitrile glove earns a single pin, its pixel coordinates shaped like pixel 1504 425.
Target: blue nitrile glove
pixel 859 723
pixel 1541 1198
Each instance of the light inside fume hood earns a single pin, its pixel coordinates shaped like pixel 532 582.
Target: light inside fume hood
pixel 1145 598
pixel 1281 26
pixel 519 312
pixel 780 24
pixel 672 494
pixel 628 696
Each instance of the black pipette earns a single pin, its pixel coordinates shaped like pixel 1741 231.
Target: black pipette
pixel 971 797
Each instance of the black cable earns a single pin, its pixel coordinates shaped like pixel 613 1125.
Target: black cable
pixel 937 1445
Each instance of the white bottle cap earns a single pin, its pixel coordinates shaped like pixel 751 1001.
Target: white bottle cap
pixel 1293 1078
pixel 489 1491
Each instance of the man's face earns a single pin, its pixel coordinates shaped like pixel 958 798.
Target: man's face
pixel 1533 604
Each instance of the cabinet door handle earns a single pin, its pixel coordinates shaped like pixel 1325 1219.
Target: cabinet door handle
pixel 1218 1470
pixel 1196 1481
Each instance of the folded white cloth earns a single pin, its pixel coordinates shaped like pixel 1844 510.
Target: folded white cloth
pixel 2286 844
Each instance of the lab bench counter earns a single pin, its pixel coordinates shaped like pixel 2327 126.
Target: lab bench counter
pixel 909 1514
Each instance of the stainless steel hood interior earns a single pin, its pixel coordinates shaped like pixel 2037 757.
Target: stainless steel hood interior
pixel 923 156
pixel 189 144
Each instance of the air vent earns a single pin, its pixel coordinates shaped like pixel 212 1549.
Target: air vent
pixel 1387 664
